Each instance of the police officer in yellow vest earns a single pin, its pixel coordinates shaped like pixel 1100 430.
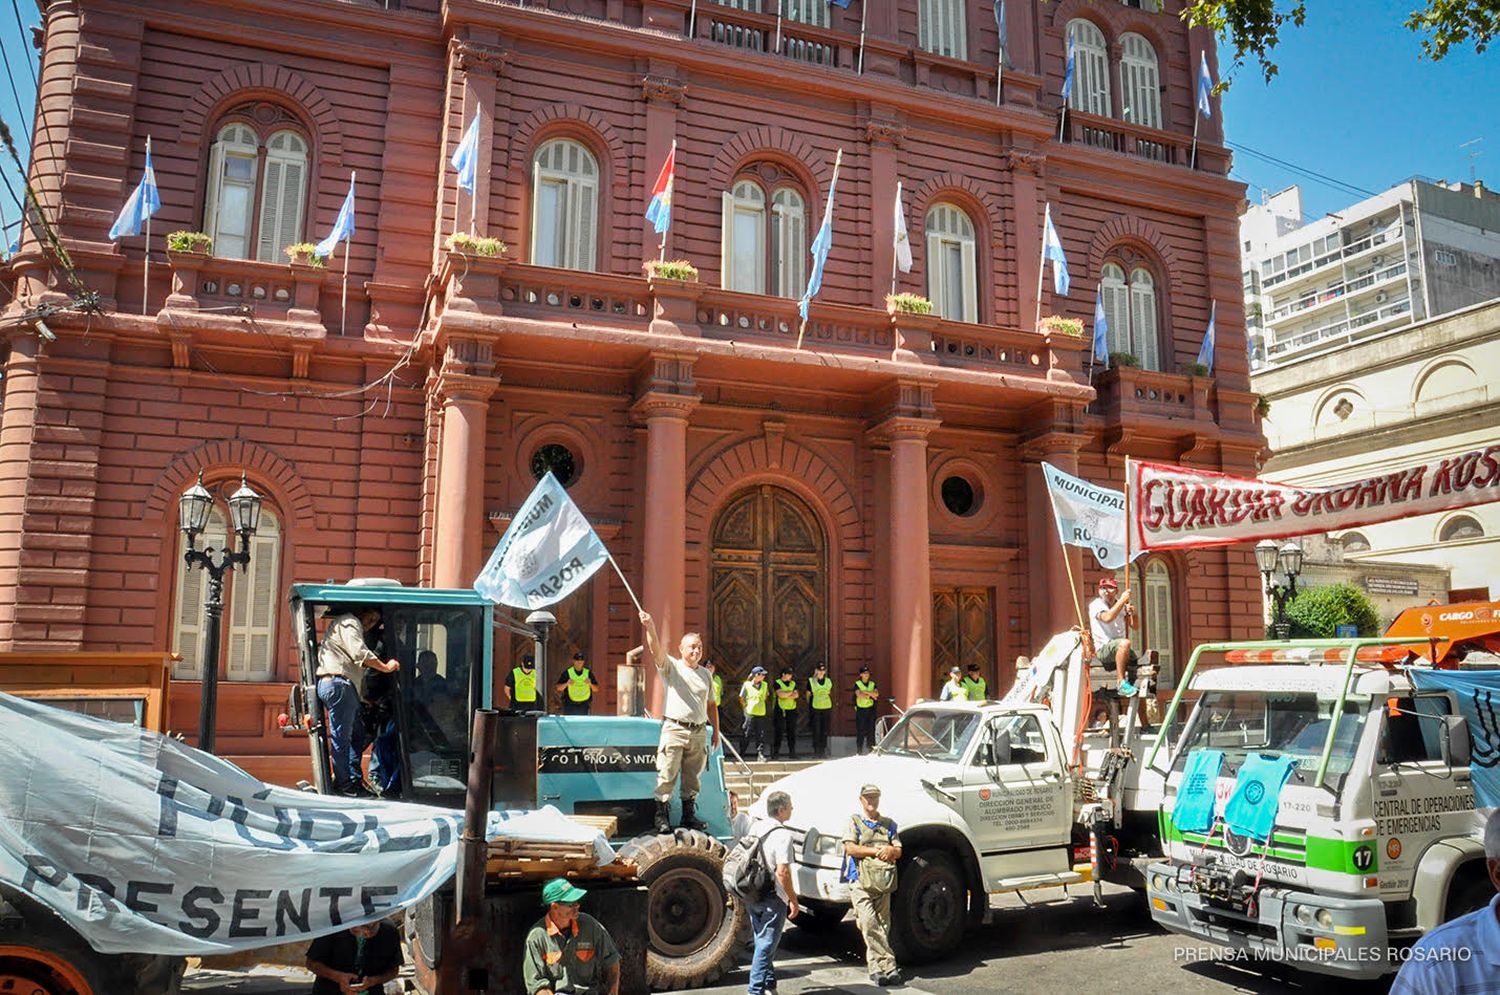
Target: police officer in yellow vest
pixel 866 694
pixel 974 684
pixel 713 668
pixel 784 719
pixel 820 702
pixel 754 694
pixel 576 687
pixel 520 686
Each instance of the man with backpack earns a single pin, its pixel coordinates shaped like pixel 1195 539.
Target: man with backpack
pixel 772 902
pixel 871 851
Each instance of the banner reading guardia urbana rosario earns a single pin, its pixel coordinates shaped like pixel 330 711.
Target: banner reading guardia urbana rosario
pixel 1177 507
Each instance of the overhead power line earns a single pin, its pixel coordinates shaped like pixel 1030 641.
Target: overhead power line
pixel 1342 186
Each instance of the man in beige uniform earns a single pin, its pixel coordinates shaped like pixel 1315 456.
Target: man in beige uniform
pixel 689 706
pixel 871 837
pixel 342 658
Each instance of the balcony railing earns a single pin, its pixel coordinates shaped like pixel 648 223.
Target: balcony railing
pixel 272 291
pixel 1345 330
pixel 1319 263
pixel 1128 138
pixel 1127 393
pixel 1339 291
pixel 756 31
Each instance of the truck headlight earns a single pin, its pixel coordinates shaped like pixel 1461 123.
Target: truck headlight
pixel 823 846
pixel 1302 914
pixel 1325 918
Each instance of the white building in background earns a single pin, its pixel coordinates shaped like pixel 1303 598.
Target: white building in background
pixel 1419 250
pixel 1384 403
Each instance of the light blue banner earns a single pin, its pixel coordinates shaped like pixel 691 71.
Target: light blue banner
pixel 1478 695
pixel 548 552
pixel 1089 516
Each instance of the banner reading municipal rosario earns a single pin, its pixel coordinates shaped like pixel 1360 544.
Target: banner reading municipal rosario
pixel 1179 507
pixel 547 553
pixel 1089 516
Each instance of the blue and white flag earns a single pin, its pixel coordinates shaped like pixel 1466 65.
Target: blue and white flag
pixel 1478 694
pixel 1000 25
pixel 1067 89
pixel 548 552
pixel 1088 516
pixel 466 157
pixel 1206 350
pixel 1205 86
pixel 343 225
pixel 142 203
pixel 1052 249
pixel 841 3
pixel 822 243
pixel 1101 328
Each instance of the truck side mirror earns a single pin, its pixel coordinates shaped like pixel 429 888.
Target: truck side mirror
pixel 1453 741
pixel 1000 747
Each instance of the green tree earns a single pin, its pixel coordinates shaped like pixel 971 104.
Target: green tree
pixel 1315 611
pixel 1254 26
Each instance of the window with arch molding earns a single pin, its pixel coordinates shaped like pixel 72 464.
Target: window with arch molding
pixel 1131 312
pixel 952 278
pixel 764 251
pixel 1090 92
pixel 1140 81
pixel 1156 618
pixel 257 195
pixel 564 206
pixel 247 643
pixel 943 29
pixel 1354 542
pixel 1460 527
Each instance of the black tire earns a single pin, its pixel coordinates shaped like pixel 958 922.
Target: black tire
pixel 929 908
pixel 819 917
pixel 695 932
pixel 1470 895
pixel 39 952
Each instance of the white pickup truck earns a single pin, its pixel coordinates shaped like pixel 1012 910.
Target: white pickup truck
pixel 990 797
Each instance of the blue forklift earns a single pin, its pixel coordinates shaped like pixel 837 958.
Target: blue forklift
pixel 457 750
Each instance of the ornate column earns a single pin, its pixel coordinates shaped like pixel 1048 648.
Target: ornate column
pixel 904 433
pixel 1028 195
pixel 882 138
pixel 1053 605
pixel 664 403
pixel 663 94
pixel 462 386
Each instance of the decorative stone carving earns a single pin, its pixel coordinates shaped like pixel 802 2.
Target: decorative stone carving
pixel 1017 160
pixel 885 133
pixel 663 90
pixel 472 57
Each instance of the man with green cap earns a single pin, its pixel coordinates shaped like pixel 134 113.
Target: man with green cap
pixel 568 951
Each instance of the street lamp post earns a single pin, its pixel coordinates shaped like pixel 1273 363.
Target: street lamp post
pixel 1269 556
pixel 193 509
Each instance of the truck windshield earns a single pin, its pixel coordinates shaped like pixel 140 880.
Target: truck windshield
pixel 932 735
pixel 438 648
pixel 1289 723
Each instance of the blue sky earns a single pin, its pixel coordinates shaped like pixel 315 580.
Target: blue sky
pixel 1354 101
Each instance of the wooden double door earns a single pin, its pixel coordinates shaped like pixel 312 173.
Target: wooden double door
pixel 768 583
pixel 963 632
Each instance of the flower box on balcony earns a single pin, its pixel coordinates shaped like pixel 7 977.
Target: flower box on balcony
pixel 912 333
pixel 674 305
pixel 472 280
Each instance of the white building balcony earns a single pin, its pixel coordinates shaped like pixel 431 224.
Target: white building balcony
pixel 1319 266
pixel 1339 293
pixel 1340 332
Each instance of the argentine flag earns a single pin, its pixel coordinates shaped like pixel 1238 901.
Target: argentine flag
pixel 143 203
pixel 1052 249
pixel 1101 328
pixel 466 157
pixel 822 243
pixel 1206 350
pixel 1205 86
pixel 548 552
pixel 343 225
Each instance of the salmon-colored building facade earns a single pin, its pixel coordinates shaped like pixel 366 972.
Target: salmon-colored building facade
pixel 872 497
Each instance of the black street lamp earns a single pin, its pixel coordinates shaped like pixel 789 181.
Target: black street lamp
pixel 193 509
pixel 1269 556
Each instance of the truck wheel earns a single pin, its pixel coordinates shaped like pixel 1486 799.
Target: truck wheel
pixel 1468 897
pixel 695 933
pixel 928 909
pixel 40 954
pixel 819 917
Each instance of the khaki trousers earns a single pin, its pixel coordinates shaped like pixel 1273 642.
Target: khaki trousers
pixel 679 750
pixel 873 915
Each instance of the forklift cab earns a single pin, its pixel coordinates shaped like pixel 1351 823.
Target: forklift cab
pixel 442 639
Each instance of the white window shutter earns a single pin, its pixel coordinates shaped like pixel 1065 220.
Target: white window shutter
pixel 270 209
pixel 971 283
pixel 937 277
pixel 726 243
pixel 215 188
pixel 584 207
pixel 187 635
pixel 290 210
pixel 1143 325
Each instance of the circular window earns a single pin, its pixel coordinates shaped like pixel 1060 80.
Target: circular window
pixel 959 496
pixel 557 458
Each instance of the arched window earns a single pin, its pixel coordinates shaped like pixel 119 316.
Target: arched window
pixel 1355 542
pixel 761 253
pixel 247 644
pixel 951 276
pixel 564 206
pixel 253 204
pixel 1130 310
pixel 1157 615
pixel 1090 92
pixel 1460 527
pixel 943 30
pixel 1140 81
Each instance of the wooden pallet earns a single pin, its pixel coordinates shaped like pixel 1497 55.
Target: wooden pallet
pixel 528 859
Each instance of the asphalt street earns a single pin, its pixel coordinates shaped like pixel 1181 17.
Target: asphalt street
pixel 1056 943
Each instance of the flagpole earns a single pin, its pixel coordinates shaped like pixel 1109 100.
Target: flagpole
pixel 893 240
pixel 1129 528
pixel 473 194
pixel 344 294
pixel 832 185
pixel 1193 155
pixel 1041 269
pixel 636 601
pixel 864 9
pixel 693 20
pixel 146 275
pixel 662 256
pixel 1062 121
pixel 777 49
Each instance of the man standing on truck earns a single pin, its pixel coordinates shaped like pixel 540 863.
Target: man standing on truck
pixel 1110 619
pixel 569 951
pixel 873 849
pixel 1462 955
pixel 341 659
pixel 866 693
pixel 689 706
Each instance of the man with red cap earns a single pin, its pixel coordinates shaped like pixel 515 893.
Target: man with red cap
pixel 1110 618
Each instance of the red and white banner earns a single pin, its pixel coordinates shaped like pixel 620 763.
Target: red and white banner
pixel 1176 507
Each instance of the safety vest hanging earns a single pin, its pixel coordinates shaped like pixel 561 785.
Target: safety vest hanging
pixel 974 686
pixel 718 690
pixel 786 695
pixel 525 681
pixel 864 694
pixel 822 692
pixel 579 685
pixel 755 698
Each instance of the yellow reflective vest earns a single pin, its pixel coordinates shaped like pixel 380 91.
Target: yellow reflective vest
pixel 718 690
pixel 974 687
pixel 786 695
pixel 525 682
pixel 822 692
pixel 580 687
pixel 865 694
pixel 754 696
